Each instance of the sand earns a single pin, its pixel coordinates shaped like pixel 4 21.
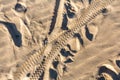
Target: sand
pixel 93 55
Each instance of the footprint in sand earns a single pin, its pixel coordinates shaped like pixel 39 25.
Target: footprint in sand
pixel 107 72
pixel 110 72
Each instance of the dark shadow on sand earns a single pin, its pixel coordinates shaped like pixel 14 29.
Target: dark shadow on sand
pixel 54 17
pixel 108 71
pixel 64 23
pixel 65 53
pixel 53 74
pixel 68 8
pixel 79 38
pixel 15 34
pixel 118 63
pixel 88 34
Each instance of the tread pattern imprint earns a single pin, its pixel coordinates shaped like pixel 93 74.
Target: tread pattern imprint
pixel 59 40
